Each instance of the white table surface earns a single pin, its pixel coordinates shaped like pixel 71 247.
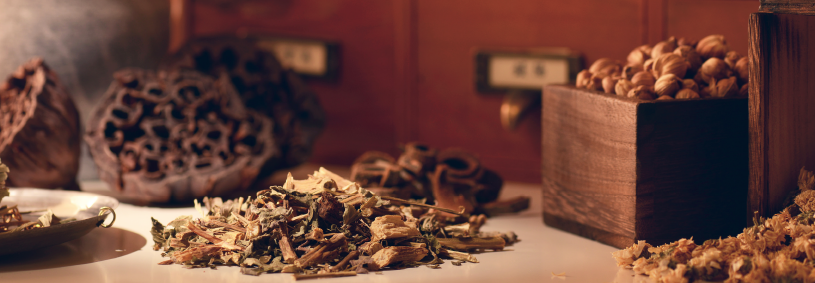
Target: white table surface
pixel 124 253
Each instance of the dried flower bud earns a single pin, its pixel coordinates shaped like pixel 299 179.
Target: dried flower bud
pixel 596 82
pixel 665 46
pixel 667 85
pixel 731 58
pixel 712 46
pixel 642 92
pixel 690 84
pixel 686 94
pixel 714 68
pixel 639 55
pixel 744 91
pixel 725 88
pixel 742 70
pixel 670 63
pixel 690 55
pixel 648 66
pixel 629 71
pixel 582 79
pixel 623 86
pixel 643 79
pixel 605 65
pixel 609 83
pixel 664 97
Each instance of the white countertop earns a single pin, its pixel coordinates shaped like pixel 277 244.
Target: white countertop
pixel 124 253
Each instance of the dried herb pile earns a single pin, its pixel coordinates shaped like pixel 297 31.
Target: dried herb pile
pixel 778 249
pixel 324 226
pixel 11 219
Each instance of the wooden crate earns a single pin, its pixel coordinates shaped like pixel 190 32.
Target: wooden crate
pixel 782 100
pixel 618 170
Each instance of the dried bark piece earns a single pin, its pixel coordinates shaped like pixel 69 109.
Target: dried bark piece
pixel 417 158
pixel 175 136
pixel 263 86
pixel 39 128
pixel 466 173
pixel 391 255
pixel 391 227
pixel 324 252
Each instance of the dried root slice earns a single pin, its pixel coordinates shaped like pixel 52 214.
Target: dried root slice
pixel 264 86
pixel 39 128
pixel 176 136
pixel 391 227
pixel 469 244
pixel 391 255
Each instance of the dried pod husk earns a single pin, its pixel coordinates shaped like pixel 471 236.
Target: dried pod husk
pixel 664 97
pixel 605 66
pixel 693 59
pixel 629 71
pixel 690 84
pixel 177 135
pixel 643 79
pixel 623 86
pixel 715 69
pixel 264 86
pixel 609 83
pixel 582 79
pixel 648 66
pixel 670 63
pixel 639 55
pixel 731 58
pixel 596 82
pixel 744 90
pixel 707 91
pixel 39 129
pixel 742 70
pixel 687 93
pixel 712 46
pixel 725 88
pixel 665 46
pixel 685 42
pixel 642 92
pixel 668 85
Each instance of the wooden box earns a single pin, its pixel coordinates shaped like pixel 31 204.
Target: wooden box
pixel 618 170
pixel 782 100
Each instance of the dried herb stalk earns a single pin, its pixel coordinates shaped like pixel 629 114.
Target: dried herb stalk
pixel 324 226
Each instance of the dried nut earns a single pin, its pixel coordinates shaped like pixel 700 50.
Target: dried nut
pixel 639 55
pixel 665 46
pixel 642 92
pixel 742 70
pixel 690 55
pixel 623 87
pixel 685 42
pixel 609 83
pixel 712 46
pixel 725 88
pixel 643 79
pixel 690 84
pixel 670 63
pixel 744 91
pixel 630 70
pixel 667 85
pixel 714 68
pixel 731 58
pixel 706 91
pixel 664 97
pixel 648 66
pixel 582 79
pixel 605 65
pixel 596 81
pixel 686 94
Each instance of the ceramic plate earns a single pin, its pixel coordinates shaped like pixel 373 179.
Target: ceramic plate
pixel 84 207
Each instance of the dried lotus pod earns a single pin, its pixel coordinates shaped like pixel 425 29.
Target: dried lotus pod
pixel 686 93
pixel 623 86
pixel 643 78
pixel 177 135
pixel 712 46
pixel 670 63
pixel 263 86
pixel 668 85
pixel 39 129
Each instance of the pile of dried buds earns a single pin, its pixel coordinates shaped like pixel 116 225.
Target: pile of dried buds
pixel 672 69
pixel 451 178
pixel 778 249
pixel 324 226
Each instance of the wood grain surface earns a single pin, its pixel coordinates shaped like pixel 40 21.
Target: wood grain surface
pixel 782 96
pixel 643 170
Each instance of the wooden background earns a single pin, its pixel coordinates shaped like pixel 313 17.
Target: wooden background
pixel 407 65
